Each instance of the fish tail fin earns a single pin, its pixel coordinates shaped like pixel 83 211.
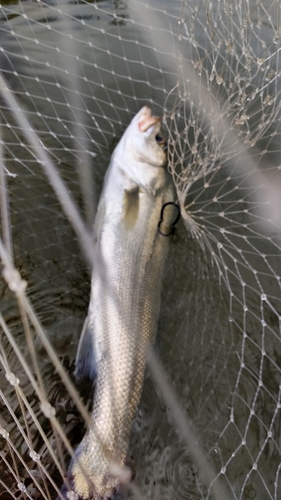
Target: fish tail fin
pixel 68 489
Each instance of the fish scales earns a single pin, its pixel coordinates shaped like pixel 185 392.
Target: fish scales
pixel 124 306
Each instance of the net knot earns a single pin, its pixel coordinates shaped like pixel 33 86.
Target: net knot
pixel 14 281
pixel 47 409
pixel 4 433
pixel 21 487
pixel 12 379
pixel 35 456
pixel 71 495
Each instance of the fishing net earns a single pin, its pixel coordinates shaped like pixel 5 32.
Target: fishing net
pixel 73 74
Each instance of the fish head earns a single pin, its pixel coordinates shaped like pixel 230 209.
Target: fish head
pixel 149 140
pixel 143 141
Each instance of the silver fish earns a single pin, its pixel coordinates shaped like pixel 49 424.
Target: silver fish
pixel 124 306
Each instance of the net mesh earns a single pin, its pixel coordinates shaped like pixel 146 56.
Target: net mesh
pixel 74 73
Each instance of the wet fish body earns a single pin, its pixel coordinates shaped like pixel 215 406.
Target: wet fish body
pixel 124 306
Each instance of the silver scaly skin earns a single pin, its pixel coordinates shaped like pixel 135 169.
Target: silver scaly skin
pixel 125 300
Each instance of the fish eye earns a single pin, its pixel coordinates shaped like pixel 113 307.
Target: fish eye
pixel 161 141
pixel 159 138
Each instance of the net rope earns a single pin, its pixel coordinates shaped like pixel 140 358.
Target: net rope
pixel 73 73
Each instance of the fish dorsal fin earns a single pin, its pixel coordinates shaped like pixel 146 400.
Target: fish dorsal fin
pixel 85 363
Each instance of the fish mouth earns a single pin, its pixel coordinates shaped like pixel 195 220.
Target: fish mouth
pixel 148 120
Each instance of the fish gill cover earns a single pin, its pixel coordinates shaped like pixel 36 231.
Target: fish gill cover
pixel 72 76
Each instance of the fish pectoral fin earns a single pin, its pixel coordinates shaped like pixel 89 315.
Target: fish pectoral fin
pixel 131 207
pixel 85 362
